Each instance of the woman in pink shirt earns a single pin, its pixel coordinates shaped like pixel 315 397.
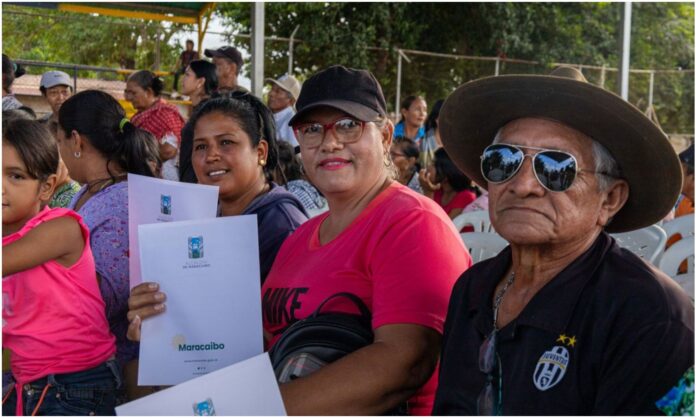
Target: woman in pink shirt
pixel 61 350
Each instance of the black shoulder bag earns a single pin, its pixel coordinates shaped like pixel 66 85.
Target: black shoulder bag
pixel 319 339
pixel 322 338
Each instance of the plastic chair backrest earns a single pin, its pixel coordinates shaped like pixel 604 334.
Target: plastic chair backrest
pixel 673 258
pixel 483 245
pixel 683 225
pixel 647 243
pixel 675 254
pixel 478 219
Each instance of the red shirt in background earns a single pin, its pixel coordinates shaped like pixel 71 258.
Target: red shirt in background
pixel 459 201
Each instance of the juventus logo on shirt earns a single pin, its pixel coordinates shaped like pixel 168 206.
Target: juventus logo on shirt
pixel 551 368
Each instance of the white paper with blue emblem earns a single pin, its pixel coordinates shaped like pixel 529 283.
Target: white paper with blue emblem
pixel 248 388
pixel 152 200
pixel 209 270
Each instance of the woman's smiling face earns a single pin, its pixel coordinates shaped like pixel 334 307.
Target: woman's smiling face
pixel 224 156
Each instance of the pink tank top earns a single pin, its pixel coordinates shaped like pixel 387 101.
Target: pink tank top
pixel 53 316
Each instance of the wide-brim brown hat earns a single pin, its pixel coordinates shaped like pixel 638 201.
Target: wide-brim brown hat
pixel 473 113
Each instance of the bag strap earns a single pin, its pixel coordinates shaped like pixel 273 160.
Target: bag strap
pixel 364 311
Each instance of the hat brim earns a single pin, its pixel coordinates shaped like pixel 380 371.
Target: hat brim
pixel 472 115
pixel 355 110
pixel 59 83
pixel 277 83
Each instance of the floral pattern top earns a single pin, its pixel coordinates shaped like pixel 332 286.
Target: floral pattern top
pixel 64 195
pixel 106 216
pixel 679 401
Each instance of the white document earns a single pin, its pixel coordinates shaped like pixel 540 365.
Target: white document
pixel 209 270
pixel 247 388
pixel 153 200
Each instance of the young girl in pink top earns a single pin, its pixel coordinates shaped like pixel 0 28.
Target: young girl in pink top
pixel 53 319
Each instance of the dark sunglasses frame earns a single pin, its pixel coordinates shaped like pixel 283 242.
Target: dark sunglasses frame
pixel 539 151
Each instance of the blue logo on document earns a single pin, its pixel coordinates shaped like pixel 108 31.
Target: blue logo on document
pixel 165 204
pixel 195 247
pixel 204 409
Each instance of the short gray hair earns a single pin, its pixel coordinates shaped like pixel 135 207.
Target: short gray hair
pixel 606 167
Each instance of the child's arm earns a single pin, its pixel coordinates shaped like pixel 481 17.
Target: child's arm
pixel 59 239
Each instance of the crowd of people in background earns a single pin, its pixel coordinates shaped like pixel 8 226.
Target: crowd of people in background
pixel 348 201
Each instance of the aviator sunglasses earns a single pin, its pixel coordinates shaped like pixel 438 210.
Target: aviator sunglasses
pixel 555 170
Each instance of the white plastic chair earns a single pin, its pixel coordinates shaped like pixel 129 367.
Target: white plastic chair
pixel 683 225
pixel 647 243
pixel 478 219
pixel 483 245
pixel 672 259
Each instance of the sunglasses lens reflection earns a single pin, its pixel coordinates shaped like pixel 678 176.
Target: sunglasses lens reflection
pixel 555 170
pixel 500 162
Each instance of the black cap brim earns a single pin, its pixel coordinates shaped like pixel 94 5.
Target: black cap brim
pixel 355 110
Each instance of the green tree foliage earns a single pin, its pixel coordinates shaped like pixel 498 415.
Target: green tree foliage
pixel 366 35
pixel 56 36
pixel 579 33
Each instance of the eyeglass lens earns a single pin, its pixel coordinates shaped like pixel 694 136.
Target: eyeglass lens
pixel 555 170
pixel 500 162
pixel 487 402
pixel 346 131
pixel 487 353
pixel 488 399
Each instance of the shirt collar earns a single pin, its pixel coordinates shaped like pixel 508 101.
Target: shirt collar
pixel 285 113
pixel 552 307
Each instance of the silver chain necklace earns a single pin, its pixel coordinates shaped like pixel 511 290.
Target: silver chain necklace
pixel 499 299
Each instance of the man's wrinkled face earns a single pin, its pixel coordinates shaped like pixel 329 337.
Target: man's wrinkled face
pixel 523 211
pixel 57 95
pixel 279 99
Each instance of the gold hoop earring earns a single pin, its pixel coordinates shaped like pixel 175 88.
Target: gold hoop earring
pixel 388 161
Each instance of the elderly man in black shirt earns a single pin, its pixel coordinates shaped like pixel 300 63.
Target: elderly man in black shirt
pixel 563 321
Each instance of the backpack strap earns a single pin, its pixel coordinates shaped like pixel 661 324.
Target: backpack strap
pixel 364 311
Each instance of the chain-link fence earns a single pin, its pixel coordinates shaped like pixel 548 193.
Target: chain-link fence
pixel 671 93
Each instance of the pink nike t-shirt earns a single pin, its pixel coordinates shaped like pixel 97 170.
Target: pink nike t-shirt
pixel 401 256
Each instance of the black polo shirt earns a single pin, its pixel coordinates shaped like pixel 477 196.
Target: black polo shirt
pixel 608 335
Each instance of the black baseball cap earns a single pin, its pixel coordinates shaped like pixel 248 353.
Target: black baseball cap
pixel 356 92
pixel 687 157
pixel 229 52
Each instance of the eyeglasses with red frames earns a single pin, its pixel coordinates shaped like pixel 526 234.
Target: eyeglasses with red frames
pixel 346 130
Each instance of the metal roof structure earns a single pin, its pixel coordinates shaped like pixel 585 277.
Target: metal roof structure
pixel 187 12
